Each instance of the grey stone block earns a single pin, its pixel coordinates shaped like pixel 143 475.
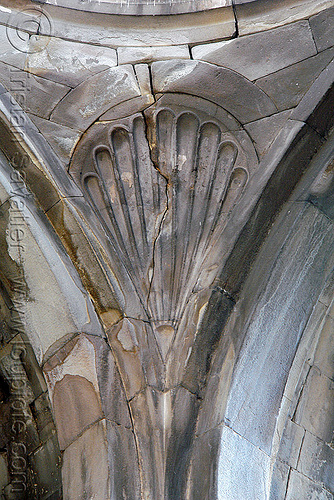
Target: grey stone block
pixel 67 62
pixel 123 463
pixel 139 7
pixel 288 86
pixel 257 55
pixel 317 461
pixel 323 358
pixel 32 93
pixel 88 453
pixel 263 132
pixel 279 481
pixel 265 14
pixel 322 26
pixel 62 139
pixel 44 468
pixel 290 443
pixel 84 104
pixel 243 470
pixel 220 85
pixel 315 410
pixel 301 487
pixel 131 55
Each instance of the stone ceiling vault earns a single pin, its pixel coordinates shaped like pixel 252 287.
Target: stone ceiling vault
pixel 167 203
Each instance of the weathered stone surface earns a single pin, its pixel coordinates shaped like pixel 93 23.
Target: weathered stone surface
pixel 202 483
pixel 322 26
pixel 10 54
pixel 279 481
pixel 44 468
pixel 291 443
pixel 302 487
pixel 33 93
pixel 137 355
pixel 257 55
pixel 317 461
pixel 123 463
pixel 139 7
pixel 41 410
pixel 263 14
pixel 76 406
pixel 62 139
pixel 85 471
pixel 315 411
pixel 112 393
pixel 116 31
pixel 93 97
pixel 143 75
pixel 131 55
pixel 67 62
pixel 250 478
pixel 323 358
pixel 296 278
pixel 222 86
pixel 263 132
pixel 164 424
pixel 127 108
pixel 289 85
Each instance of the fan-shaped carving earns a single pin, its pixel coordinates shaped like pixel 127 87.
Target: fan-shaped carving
pixel 163 188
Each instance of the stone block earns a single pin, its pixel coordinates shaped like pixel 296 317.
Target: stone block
pixel 316 106
pixel 131 55
pixel 84 104
pixel 123 463
pixel 41 410
pixel 260 54
pixel 67 62
pixel 88 453
pixel 203 470
pixel 143 74
pixel 264 131
pixel 315 410
pixel 116 31
pixel 260 376
pixel 279 481
pixel 62 139
pixel 44 469
pixel 127 108
pixel 317 461
pixel 322 26
pixel 220 85
pixel 324 355
pixel 243 470
pixel 290 443
pixel 301 487
pixel 114 404
pixel 288 86
pixel 265 14
pixel 34 94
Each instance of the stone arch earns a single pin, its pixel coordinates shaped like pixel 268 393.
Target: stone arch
pixel 144 402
